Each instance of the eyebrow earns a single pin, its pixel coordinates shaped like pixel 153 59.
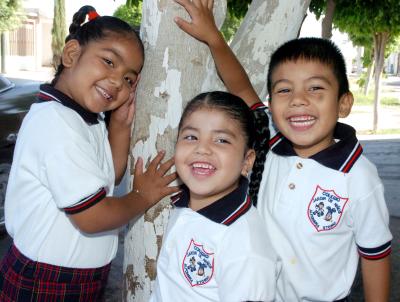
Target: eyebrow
pixel 116 53
pixel 321 78
pixel 218 131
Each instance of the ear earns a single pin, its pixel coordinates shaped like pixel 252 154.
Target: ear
pixel 249 159
pixel 345 104
pixel 71 53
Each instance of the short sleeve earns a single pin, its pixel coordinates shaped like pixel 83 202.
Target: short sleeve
pixel 371 220
pixel 75 167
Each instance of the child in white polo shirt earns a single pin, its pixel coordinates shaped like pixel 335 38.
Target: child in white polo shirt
pixel 321 200
pixel 59 207
pixel 215 247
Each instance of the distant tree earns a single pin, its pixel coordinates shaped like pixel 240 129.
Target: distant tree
pixel 11 14
pixel 130 12
pixel 11 17
pixel 58 32
pixel 372 24
pixel 376 20
pixel 326 8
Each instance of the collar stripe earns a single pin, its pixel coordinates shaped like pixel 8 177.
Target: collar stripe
pixel 275 140
pixel 244 207
pixel 257 105
pixel 47 96
pixel 49 93
pixel 354 155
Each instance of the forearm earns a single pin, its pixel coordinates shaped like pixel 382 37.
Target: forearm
pixel 119 138
pixel 110 213
pixel 376 279
pixel 231 71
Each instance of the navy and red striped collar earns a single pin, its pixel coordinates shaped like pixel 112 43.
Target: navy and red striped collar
pixel 341 156
pixel 225 210
pixel 49 93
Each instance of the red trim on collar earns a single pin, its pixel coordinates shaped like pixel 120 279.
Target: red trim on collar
pixel 238 212
pixel 351 161
pixel 257 105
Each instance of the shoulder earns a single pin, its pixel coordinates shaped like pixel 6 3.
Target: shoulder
pixel 248 234
pixel 364 175
pixel 52 122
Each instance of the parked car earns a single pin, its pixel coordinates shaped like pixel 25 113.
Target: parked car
pixel 16 97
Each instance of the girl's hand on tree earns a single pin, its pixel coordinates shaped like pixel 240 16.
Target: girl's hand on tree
pixel 125 113
pixel 202 26
pixel 152 185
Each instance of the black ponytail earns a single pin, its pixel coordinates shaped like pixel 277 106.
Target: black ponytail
pixel 261 147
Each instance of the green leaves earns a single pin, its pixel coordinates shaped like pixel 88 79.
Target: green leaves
pixel 11 14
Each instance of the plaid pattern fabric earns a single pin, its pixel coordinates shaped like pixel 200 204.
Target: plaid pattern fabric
pixel 22 279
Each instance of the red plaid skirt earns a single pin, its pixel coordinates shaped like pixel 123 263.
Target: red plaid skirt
pixel 22 279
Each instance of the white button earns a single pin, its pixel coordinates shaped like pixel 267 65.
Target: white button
pixel 292 186
pixel 299 165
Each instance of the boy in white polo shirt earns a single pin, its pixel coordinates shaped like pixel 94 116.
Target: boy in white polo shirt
pixel 321 200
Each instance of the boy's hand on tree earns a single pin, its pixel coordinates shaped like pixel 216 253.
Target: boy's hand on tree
pixel 152 185
pixel 202 26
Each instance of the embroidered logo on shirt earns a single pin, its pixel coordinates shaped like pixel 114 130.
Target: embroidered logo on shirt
pixel 325 209
pixel 198 265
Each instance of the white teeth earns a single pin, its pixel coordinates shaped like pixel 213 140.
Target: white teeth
pixel 104 93
pixel 203 166
pixel 301 118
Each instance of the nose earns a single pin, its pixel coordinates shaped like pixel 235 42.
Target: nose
pixel 203 148
pixel 299 98
pixel 116 80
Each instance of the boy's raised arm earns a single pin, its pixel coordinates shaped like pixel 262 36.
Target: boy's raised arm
pixel 203 28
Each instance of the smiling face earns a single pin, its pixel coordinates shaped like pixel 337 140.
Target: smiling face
pixel 305 105
pixel 210 155
pixel 101 75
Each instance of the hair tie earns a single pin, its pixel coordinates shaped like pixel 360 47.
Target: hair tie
pixel 93 15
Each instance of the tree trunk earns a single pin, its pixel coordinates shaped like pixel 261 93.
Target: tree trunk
pixel 177 67
pixel 266 25
pixel 380 40
pixel 328 20
pixel 3 52
pixel 368 77
pixel 398 64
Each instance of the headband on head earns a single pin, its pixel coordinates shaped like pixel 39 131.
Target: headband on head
pixel 92 15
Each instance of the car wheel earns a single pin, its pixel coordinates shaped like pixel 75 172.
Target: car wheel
pixel 4 173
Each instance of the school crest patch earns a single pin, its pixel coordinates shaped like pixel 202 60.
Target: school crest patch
pixel 325 209
pixel 197 265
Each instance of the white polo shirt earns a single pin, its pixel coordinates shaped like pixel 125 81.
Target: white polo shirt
pixel 220 253
pixel 62 165
pixel 321 213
